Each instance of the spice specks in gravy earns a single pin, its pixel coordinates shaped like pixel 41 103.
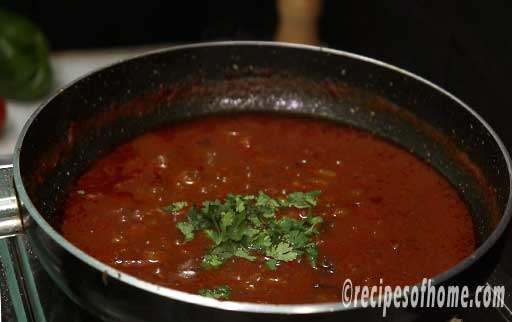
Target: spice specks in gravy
pixel 384 213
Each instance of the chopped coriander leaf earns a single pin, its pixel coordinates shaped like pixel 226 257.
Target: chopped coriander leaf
pixel 197 219
pixel 246 226
pixel 314 221
pixel 297 239
pixel 187 229
pixel 214 235
pixel 244 253
pixel 226 220
pixel 218 255
pixel 312 254
pixel 212 261
pixel 267 205
pixel 175 207
pixel 271 264
pixel 287 224
pixel 282 252
pixel 303 199
pixel 220 292
pixel 262 241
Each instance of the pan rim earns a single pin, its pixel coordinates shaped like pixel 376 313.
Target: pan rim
pixel 245 306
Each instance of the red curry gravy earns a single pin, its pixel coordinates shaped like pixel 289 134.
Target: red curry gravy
pixel 386 213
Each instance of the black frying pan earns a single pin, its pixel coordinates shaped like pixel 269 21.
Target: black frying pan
pixel 94 114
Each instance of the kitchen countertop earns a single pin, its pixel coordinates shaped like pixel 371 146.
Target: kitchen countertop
pixel 67 66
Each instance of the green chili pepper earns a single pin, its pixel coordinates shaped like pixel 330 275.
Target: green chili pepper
pixel 25 71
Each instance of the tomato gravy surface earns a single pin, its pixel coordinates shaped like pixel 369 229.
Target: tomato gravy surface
pixel 386 213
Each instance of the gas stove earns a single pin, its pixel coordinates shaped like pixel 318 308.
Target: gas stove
pixel 29 295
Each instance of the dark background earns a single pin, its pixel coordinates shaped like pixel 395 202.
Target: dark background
pixel 464 46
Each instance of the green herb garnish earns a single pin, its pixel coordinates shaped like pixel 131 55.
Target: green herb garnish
pixel 303 199
pixel 175 207
pixel 221 292
pixel 246 226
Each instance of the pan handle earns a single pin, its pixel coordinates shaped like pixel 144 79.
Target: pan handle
pixel 11 223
